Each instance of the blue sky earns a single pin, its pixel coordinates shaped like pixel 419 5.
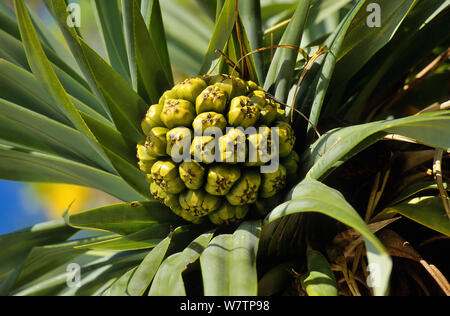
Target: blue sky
pixel 17 208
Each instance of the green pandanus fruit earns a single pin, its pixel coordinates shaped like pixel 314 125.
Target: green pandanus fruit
pixel 206 143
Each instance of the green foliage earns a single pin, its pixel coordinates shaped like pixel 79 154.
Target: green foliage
pixel 229 262
pixel 313 196
pixel 319 280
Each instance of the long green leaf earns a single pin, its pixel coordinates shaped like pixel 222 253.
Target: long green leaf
pixel 135 281
pixel 54 275
pixel 21 87
pixel 12 50
pixel 125 107
pixel 209 7
pixel 16 246
pixel 119 287
pixel 410 45
pixel 46 270
pixel 33 167
pixel 95 282
pixel 234 51
pixel 96 279
pixel 44 72
pixel 370 39
pixel 414 189
pixel 39 260
pixel 144 274
pixel 130 173
pixel 122 154
pixel 319 279
pixel 328 63
pixel 229 262
pixel 337 146
pixel 111 139
pixel 168 280
pixel 51 40
pixel 55 51
pixel 187 48
pixel 324 18
pixel 224 27
pixel 428 211
pixel 313 196
pixel 7 20
pixel 250 13
pixel 362 42
pixel 77 91
pixel 36 132
pixel 124 219
pixel 109 22
pixel 151 11
pixel 24 273
pixel 280 75
pixel 147 70
pixel 145 239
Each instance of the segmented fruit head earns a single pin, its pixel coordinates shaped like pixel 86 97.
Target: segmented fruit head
pixel 206 141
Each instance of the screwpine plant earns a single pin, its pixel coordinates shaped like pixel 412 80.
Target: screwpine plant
pixel 259 147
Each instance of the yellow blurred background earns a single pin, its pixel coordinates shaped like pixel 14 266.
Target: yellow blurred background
pixel 54 199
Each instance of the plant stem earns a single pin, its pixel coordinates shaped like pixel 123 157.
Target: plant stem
pixel 437 171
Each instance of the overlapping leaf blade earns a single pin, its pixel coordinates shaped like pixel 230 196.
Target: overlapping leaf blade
pixel 237 46
pixel 319 280
pixel 168 280
pixel 33 167
pixel 368 37
pixel 12 50
pixel 124 219
pixel 410 44
pixel 187 48
pixel 313 196
pixel 280 74
pixel 223 28
pixel 427 211
pixel 43 71
pixel 328 63
pixel 146 271
pixel 16 246
pixel 125 107
pixel 36 132
pixel 55 51
pixel 50 40
pixel 21 87
pixel 229 262
pixel 108 17
pixel 147 238
pixel 51 276
pixel 337 146
pixel 151 12
pixel 148 74
pixel 250 13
